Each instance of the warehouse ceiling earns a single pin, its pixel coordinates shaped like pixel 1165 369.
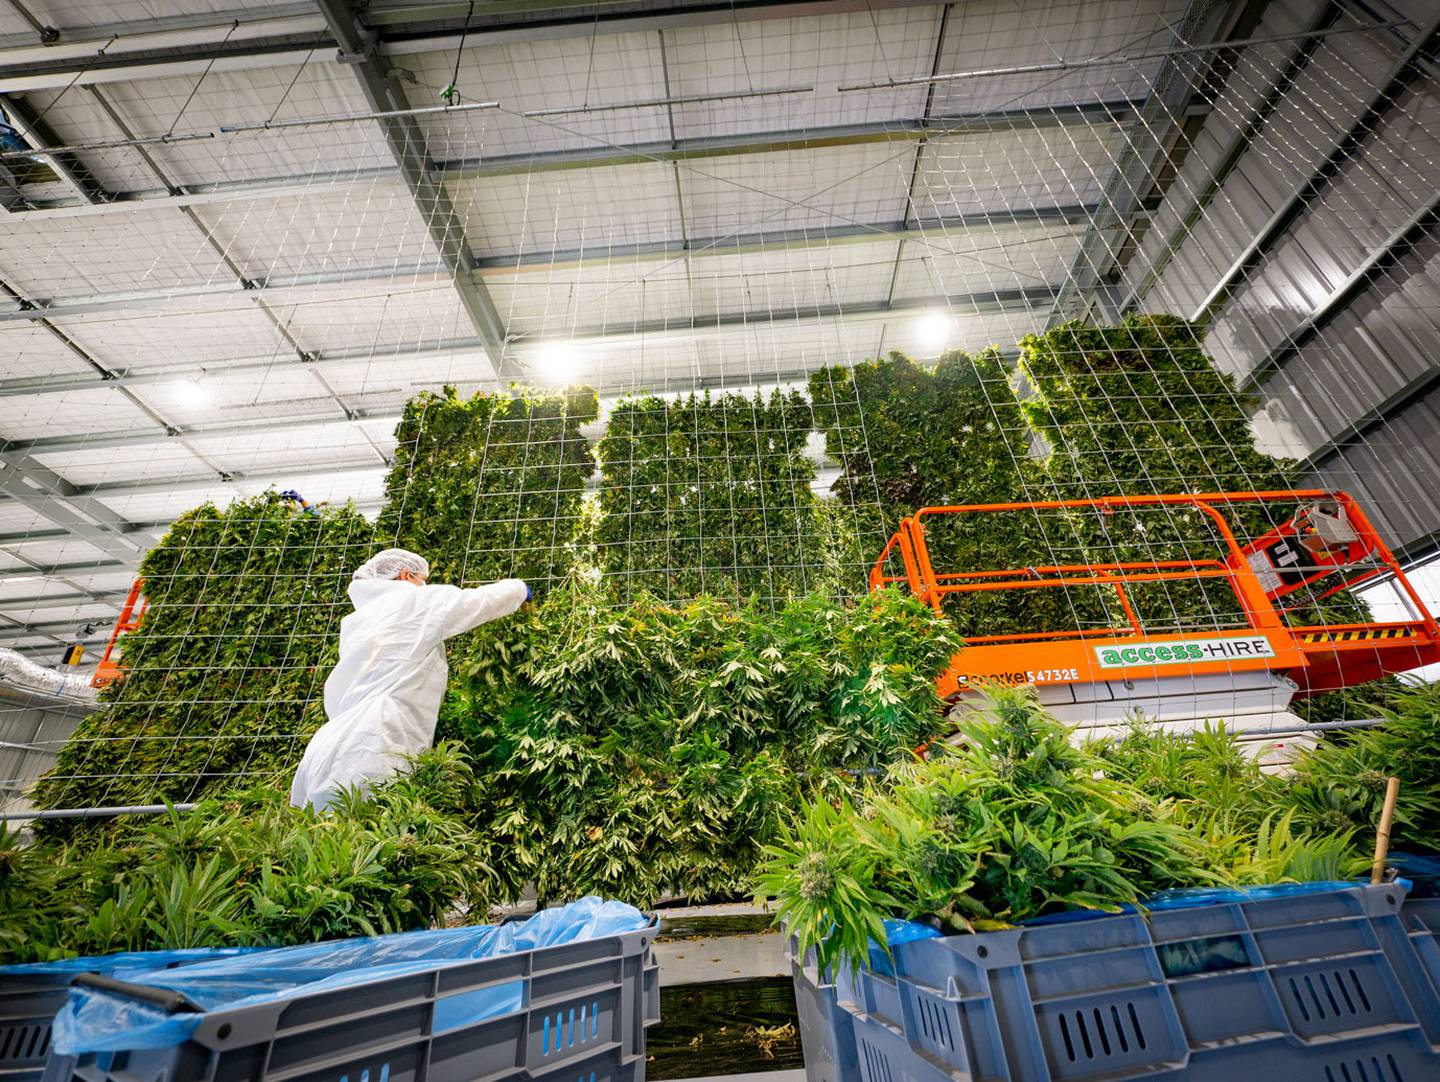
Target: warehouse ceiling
pixel 264 228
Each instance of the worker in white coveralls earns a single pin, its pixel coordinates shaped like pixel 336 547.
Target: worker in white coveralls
pixel 383 697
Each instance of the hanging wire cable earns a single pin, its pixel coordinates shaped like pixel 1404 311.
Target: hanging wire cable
pixel 451 94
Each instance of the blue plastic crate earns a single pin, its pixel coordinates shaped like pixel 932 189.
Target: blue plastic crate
pixel 827 1030
pixel 30 995
pixel 577 1012
pixel 1326 985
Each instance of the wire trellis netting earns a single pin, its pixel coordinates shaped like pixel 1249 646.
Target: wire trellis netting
pixel 698 310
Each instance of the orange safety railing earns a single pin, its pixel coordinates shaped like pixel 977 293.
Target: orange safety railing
pixel 925 583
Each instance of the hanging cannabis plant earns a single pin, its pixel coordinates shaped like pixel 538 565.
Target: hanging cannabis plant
pixel 645 748
pixel 909 436
pixel 1138 408
pixel 707 495
pixel 491 486
pixel 224 675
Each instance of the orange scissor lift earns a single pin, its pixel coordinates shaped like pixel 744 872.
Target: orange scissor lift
pixel 1244 669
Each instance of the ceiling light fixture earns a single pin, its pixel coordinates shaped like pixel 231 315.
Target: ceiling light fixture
pixel 559 361
pixel 191 393
pixel 935 330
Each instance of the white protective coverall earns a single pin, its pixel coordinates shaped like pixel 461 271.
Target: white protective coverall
pixel 383 697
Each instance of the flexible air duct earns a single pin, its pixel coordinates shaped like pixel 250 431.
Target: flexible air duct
pixel 24 675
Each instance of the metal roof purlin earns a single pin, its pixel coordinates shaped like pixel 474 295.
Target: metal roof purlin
pixel 407 145
pixel 909 210
pixel 50 495
pixel 1022 300
pixel 284 37
pixel 921 230
pixel 1107 112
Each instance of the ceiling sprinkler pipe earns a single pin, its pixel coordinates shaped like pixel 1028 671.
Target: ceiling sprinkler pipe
pixel 353 118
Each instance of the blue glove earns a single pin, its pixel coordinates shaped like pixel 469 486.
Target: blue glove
pixel 529 594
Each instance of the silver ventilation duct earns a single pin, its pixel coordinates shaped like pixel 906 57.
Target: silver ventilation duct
pixel 24 675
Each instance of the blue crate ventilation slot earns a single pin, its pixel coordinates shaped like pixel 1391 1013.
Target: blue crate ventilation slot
pixel 1330 984
pixel 30 995
pixel 589 1029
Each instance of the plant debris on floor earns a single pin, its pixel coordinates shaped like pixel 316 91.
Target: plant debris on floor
pixel 724 1027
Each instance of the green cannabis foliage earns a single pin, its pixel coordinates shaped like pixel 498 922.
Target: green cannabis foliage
pixel 647 749
pixel 907 437
pixel 1088 411
pixel 1340 786
pixel 707 495
pixel 1012 823
pixel 246 869
pixel 1138 408
pixel 491 486
pixel 1015 822
pixel 225 672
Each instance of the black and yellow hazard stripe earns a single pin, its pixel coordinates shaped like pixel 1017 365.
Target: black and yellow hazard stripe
pixel 1358 636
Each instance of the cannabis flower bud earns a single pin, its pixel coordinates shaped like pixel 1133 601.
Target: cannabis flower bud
pixel 817 880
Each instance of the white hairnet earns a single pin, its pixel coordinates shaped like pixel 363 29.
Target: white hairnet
pixel 389 563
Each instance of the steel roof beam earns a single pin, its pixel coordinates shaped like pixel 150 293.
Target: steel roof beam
pixel 173 32
pixel 1324 15
pixel 909 207
pixel 242 283
pixel 934 230
pixel 61 601
pixel 51 496
pixel 898 130
pixel 412 157
pixel 1136 172
pixel 22 538
pixel 52 571
pixel 304 468
pixel 50 627
pixel 245 39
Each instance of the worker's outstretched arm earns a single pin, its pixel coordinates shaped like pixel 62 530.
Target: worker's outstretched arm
pixel 453 610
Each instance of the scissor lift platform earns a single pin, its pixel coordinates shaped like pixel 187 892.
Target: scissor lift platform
pixel 1245 669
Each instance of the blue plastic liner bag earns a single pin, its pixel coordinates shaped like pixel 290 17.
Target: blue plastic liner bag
pixel 96 1021
pixel 897 932
pixel 123 964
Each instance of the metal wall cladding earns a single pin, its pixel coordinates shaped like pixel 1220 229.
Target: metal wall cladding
pixel 1336 324
pixel 1398 473
pixel 30 735
pixel 1368 362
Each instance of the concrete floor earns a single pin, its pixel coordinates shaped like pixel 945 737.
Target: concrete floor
pixel 720 958
pixel 694 959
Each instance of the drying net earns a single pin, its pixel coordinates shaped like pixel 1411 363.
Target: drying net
pixel 700 310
